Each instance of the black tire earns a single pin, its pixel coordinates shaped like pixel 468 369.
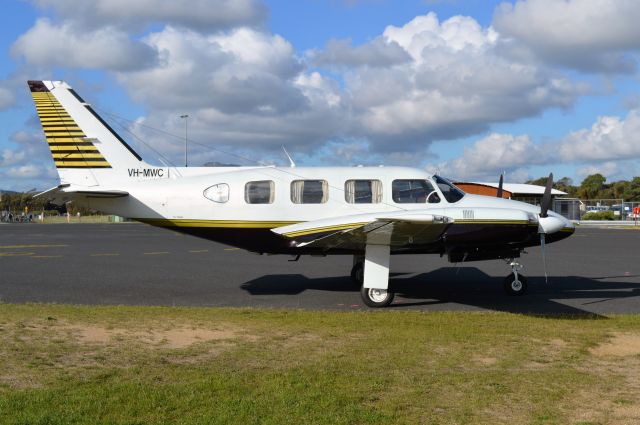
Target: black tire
pixel 357 273
pixel 376 298
pixel 515 287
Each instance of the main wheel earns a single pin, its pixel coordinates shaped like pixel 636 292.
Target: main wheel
pixel 357 273
pixel 515 286
pixel 374 297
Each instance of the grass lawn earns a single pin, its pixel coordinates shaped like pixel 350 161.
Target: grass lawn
pixel 81 364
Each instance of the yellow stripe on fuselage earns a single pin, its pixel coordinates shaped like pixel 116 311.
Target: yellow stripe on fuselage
pixel 234 224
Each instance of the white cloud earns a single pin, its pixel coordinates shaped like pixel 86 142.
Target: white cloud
pixel 591 35
pixel 69 46
pixel 25 171
pixel 457 84
pixel 247 91
pixel 10 157
pixel 609 169
pixel 427 33
pixel 378 53
pixel 490 156
pixel 30 148
pixel 205 15
pixel 244 88
pixel 611 146
pixel 239 72
pixel 609 138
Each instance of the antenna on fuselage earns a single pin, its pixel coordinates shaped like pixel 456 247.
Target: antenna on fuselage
pixel 291 163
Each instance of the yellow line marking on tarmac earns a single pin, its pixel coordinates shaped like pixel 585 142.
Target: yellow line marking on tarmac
pixel 105 255
pixel 45 256
pixel 30 246
pixel 231 249
pixel 198 250
pixel 16 254
pixel 156 253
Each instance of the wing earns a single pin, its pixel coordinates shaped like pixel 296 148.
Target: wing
pixel 395 229
pixel 64 193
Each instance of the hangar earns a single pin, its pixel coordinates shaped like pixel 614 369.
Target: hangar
pixel 529 193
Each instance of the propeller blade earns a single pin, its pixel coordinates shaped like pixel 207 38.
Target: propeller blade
pixel 544 257
pixel 500 186
pixel 546 198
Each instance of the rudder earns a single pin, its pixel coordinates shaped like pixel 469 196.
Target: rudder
pixel 78 138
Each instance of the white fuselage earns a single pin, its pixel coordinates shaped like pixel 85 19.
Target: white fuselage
pixel 178 194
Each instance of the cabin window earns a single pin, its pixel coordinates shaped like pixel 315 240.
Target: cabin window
pixel 450 191
pixel 309 191
pixel 259 192
pixel 217 193
pixel 363 191
pixel 413 192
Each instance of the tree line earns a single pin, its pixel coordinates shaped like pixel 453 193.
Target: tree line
pixel 25 203
pixel 595 186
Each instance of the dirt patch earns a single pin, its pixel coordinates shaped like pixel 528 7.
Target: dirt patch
pixel 167 338
pixel 19 382
pixel 485 361
pixel 620 345
pixel 95 334
pixel 626 414
pixel 180 338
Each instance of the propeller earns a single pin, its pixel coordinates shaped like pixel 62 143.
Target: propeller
pixel 546 198
pixel 546 223
pixel 500 186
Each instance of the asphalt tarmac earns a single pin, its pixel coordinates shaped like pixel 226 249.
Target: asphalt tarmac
pixel 596 271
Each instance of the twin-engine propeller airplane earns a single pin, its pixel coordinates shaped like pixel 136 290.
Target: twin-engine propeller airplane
pixel 368 212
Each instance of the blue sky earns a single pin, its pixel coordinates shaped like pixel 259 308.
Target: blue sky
pixel 466 88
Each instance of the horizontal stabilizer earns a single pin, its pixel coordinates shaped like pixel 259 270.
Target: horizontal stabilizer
pixel 64 193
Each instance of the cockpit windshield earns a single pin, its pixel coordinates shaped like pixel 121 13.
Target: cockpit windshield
pixel 450 192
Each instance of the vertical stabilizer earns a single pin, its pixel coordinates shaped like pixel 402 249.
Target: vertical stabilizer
pixel 85 149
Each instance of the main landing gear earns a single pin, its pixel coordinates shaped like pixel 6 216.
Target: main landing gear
pixel 515 284
pixel 372 297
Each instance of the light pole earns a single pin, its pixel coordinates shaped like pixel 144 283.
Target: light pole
pixel 186 125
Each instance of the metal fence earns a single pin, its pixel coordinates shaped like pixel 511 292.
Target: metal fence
pixel 596 209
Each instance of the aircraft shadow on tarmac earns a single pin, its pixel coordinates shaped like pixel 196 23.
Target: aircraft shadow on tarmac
pixel 469 286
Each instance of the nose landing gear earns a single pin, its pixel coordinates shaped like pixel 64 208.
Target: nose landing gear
pixel 515 284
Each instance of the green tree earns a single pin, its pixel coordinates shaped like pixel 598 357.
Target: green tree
pixel 591 186
pixel 542 181
pixel 632 190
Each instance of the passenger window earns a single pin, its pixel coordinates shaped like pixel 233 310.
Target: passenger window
pixel 309 191
pixel 363 191
pixel 413 192
pixel 259 192
pixel 217 193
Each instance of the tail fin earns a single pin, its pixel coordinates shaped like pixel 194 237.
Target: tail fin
pixel 82 144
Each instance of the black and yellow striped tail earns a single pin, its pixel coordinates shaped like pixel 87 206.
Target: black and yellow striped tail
pixel 69 145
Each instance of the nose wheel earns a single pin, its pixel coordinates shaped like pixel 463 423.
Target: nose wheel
pixel 515 284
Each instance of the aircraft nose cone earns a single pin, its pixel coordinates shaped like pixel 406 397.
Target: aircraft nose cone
pixel 552 224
